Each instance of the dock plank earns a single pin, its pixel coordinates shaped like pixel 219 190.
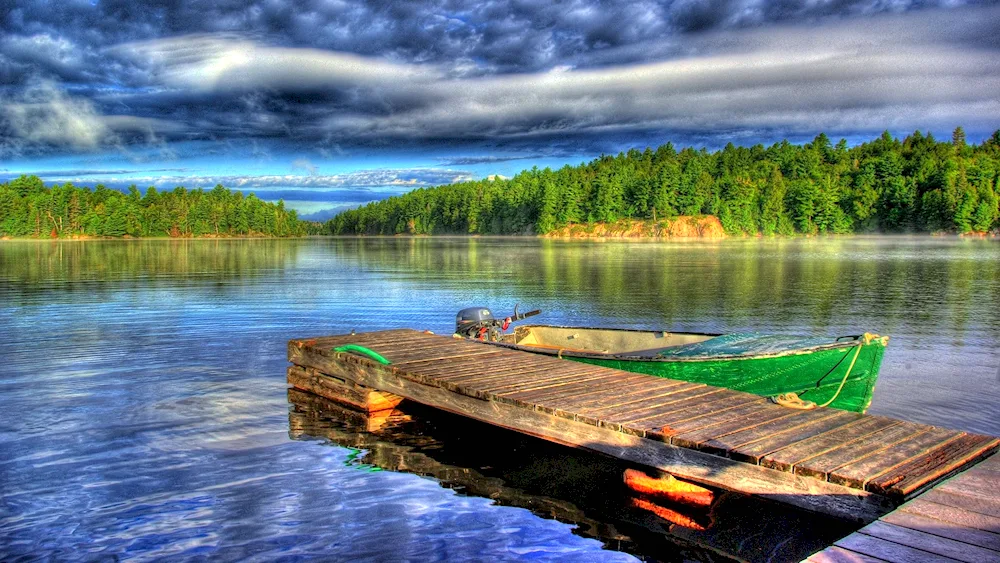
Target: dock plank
pixel 665 426
pixel 730 423
pixel 788 457
pixel 836 554
pixel 945 529
pixel 955 493
pixel 638 411
pixel 932 543
pixel 888 550
pixel 821 465
pixel 601 394
pixel 933 465
pixel 859 473
pixel 657 393
pixel 957 515
pixel 754 451
pixel 725 443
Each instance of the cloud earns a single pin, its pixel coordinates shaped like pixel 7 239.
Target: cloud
pixel 484 159
pixel 44 114
pixel 400 179
pixel 219 62
pixel 77 172
pixel 304 164
pixel 347 78
pixel 893 71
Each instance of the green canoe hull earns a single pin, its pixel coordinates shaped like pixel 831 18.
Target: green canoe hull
pixel 814 375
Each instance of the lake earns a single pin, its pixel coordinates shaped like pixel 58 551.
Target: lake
pixel 144 412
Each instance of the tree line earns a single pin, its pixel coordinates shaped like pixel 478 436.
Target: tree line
pixel 918 184
pixel 30 209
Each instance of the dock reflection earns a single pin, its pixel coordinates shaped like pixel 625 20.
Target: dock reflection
pixel 569 485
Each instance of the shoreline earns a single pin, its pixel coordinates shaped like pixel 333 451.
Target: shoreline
pixel 548 236
pixel 130 239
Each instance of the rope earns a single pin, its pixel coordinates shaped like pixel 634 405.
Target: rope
pixel 792 400
pixel 846 375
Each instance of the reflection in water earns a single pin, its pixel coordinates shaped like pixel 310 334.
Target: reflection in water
pixel 569 485
pixel 143 406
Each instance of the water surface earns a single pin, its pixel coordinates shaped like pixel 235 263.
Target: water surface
pixel 143 410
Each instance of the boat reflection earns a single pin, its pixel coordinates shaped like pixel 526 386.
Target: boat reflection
pixel 569 485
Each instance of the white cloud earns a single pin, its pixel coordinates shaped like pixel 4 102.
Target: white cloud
pixel 222 62
pixel 900 70
pixel 409 178
pixel 304 164
pixel 46 114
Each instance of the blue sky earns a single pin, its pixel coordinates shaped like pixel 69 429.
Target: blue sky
pixel 333 104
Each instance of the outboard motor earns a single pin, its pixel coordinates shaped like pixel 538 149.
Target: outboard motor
pixel 480 324
pixel 473 320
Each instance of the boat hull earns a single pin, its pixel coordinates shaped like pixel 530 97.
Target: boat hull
pixel 815 376
pixel 839 374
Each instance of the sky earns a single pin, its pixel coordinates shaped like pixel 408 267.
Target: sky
pixel 330 104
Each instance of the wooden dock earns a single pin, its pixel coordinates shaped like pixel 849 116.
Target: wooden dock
pixel 848 465
pixel 958 520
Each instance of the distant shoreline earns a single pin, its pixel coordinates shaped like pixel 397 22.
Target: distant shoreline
pixel 549 236
pixel 192 238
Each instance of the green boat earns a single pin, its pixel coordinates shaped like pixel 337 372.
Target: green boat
pixel 799 372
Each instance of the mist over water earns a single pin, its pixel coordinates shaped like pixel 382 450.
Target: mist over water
pixel 144 412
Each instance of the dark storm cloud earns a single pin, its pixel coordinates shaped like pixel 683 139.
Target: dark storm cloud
pixel 322 75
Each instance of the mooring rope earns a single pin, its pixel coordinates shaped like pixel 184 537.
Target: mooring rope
pixel 792 400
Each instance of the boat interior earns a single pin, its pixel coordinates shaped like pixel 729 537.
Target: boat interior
pixel 601 341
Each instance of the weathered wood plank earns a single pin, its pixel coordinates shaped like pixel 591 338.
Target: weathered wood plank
pixel 645 391
pixel 676 410
pixel 411 360
pixel 985 503
pixel 523 368
pixel 483 370
pixel 706 469
pixel 665 426
pixel 789 456
pixel 366 339
pixel 345 392
pixel 834 554
pixel 729 423
pixel 640 411
pixel 753 451
pixel 591 392
pixel 554 376
pixel 939 545
pixel 944 528
pixel 857 474
pixel 723 444
pixel 661 396
pixel 819 466
pixel 888 550
pixel 953 514
pixel 938 463
pixel 712 418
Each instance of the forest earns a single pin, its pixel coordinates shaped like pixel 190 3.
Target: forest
pixel 30 209
pixel 918 184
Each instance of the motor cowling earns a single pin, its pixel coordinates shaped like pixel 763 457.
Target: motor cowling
pixel 472 320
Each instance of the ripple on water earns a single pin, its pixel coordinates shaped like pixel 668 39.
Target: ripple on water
pixel 143 411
